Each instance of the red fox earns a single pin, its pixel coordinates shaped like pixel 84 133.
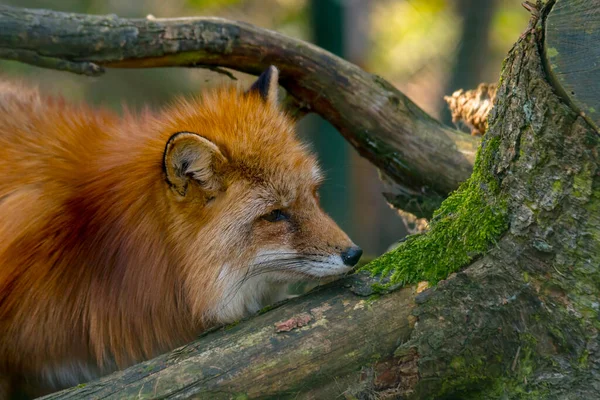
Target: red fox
pixel 124 237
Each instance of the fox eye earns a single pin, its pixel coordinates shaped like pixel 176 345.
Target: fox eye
pixel 275 216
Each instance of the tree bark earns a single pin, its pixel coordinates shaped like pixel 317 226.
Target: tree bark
pixel 267 357
pixel 521 321
pixel 424 159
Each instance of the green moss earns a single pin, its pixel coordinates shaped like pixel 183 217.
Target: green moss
pixel 583 360
pixel 464 227
pixel 372 299
pixel 551 52
pixel 148 368
pixel 558 336
pixel 471 377
pixel 266 309
pixel 457 362
pixel 557 186
pixel 232 325
pixel 582 183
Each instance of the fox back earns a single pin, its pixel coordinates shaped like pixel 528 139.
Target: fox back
pixel 124 237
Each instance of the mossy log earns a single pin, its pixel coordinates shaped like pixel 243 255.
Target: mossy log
pixel 521 321
pixel 422 158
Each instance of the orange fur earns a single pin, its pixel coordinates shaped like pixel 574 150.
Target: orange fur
pixel 103 264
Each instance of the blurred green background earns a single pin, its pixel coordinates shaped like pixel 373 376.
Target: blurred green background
pixel 427 48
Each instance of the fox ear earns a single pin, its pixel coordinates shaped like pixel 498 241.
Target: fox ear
pixel 189 156
pixel 266 85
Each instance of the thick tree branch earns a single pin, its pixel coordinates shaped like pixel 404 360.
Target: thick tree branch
pixel 424 159
pixel 312 346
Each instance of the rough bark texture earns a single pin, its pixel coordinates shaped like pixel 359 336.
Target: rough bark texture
pixel 308 348
pixel 424 159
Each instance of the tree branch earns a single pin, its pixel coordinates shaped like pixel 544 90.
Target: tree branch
pixel 421 156
pixel 340 332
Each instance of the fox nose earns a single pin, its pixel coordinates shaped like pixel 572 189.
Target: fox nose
pixel 351 255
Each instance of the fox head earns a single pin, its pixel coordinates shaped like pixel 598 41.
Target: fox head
pixel 242 194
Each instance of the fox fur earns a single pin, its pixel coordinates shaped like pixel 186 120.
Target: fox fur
pixel 123 237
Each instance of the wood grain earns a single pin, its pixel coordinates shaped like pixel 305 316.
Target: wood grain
pixel 572 52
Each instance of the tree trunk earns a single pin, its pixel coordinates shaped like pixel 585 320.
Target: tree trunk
pixel 519 320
